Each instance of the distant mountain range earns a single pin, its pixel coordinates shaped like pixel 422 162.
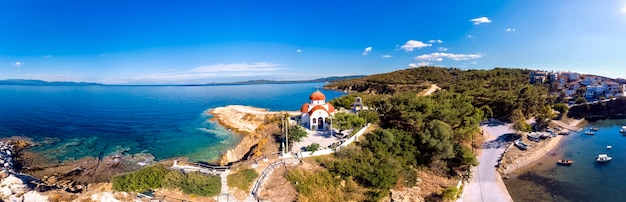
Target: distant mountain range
pixel 30 82
pixel 320 80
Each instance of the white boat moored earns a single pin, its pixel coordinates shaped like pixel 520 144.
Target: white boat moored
pixel 609 147
pixel 603 158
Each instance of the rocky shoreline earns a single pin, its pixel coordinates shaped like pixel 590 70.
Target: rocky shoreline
pixel 245 120
pixel 28 176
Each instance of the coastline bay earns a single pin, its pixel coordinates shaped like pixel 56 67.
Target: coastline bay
pixel 585 180
pixel 71 122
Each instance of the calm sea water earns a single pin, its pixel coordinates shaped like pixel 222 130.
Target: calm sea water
pixel 167 121
pixel 585 180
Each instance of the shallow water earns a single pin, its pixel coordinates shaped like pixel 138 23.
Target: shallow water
pixel 167 121
pixel 585 180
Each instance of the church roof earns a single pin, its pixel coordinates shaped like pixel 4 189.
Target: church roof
pixel 318 107
pixel 317 95
pixel 331 109
pixel 304 108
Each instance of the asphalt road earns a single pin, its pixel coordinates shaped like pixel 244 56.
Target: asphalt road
pixel 486 184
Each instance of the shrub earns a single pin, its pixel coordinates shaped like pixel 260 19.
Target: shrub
pixel 243 179
pixel 451 193
pixel 158 176
pixel 201 184
pixel 316 186
pixel 174 179
pixel 313 147
pixel 141 180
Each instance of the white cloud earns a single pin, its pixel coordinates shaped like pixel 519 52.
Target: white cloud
pixel 473 63
pixel 469 36
pixel 17 64
pixel 435 41
pixel 413 44
pixel 419 64
pixel 386 56
pixel 204 73
pixel 237 67
pixel 367 50
pixel 440 56
pixel 480 20
pixel 510 29
pixel 298 50
pixel 442 49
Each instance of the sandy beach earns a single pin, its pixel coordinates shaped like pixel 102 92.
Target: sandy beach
pixel 515 159
pixel 525 158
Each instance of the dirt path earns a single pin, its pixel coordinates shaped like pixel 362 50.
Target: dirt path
pixel 431 90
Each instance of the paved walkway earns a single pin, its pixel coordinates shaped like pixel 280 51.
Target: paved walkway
pixel 258 185
pixel 486 184
pixel 323 138
pixel 572 127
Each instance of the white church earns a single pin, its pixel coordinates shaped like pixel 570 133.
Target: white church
pixel 315 113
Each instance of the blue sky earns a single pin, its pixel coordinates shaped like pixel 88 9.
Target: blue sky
pixel 155 42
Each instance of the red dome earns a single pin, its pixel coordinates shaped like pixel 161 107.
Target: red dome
pixel 331 109
pixel 305 108
pixel 317 95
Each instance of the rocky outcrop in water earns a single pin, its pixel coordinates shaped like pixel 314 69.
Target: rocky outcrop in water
pixel 7 161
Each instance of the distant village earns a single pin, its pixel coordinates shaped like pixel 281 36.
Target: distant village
pixel 592 87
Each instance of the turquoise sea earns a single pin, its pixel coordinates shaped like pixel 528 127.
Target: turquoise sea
pixel 585 180
pixel 71 122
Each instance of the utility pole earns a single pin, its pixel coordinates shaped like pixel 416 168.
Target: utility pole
pixel 287 135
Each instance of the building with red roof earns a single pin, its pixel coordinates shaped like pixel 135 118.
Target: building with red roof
pixel 316 112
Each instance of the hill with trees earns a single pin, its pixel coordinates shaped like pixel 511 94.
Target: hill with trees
pixel 437 133
pixel 498 92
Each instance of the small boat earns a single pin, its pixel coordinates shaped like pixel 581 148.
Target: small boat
pixel 594 129
pixel 602 158
pixel 609 147
pixel 589 133
pixel 565 162
pixel 621 131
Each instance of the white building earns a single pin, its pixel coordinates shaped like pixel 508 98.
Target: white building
pixel 315 113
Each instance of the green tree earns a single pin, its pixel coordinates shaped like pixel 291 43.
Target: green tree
pixel 580 100
pixel 544 117
pixel 347 121
pixel 487 111
pixel 519 121
pixel 437 138
pixel 370 116
pixel 313 147
pixel 296 133
pixel 345 101
pixel 561 108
